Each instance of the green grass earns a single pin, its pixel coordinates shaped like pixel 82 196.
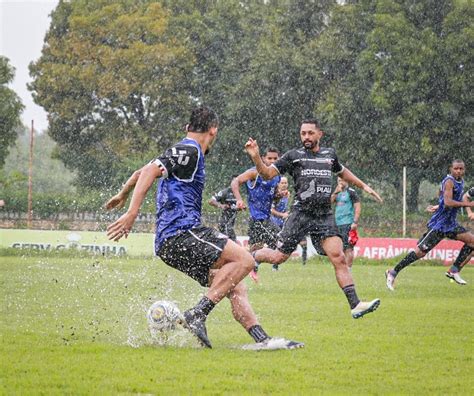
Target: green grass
pixel 75 325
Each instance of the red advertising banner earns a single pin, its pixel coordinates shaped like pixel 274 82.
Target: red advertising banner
pixel 382 248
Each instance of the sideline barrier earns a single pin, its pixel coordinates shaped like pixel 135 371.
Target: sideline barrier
pixel 141 244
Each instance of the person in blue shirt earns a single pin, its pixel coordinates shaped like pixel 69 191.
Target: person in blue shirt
pixel 260 195
pixel 346 213
pixel 281 211
pixel 182 242
pixel 443 224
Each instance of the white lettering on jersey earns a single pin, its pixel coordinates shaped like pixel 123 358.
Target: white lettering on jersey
pixel 316 172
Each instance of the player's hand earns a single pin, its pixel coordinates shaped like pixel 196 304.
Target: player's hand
pixel 354 226
pixel 252 148
pixel 117 201
pixel 431 208
pixel 471 216
pixel 285 215
pixel 241 205
pixel 372 192
pixel 338 189
pixel 121 227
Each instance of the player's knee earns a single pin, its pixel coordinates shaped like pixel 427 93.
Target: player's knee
pixel 337 258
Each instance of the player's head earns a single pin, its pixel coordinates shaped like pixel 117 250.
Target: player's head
pixel 310 133
pixel 271 155
pixel 204 120
pixel 457 169
pixel 283 185
pixel 342 183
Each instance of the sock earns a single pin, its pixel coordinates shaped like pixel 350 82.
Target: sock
pixel 410 258
pixel 203 307
pixel 463 254
pixel 304 254
pixel 351 295
pixel 258 334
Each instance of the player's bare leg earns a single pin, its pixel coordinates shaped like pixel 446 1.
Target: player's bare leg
pixel 333 248
pixel 233 265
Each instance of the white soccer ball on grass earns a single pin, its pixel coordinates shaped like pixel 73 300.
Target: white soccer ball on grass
pixel 163 316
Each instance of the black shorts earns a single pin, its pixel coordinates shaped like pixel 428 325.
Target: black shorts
pixel 263 231
pixel 227 229
pixel 344 231
pixel 194 252
pixel 299 224
pixel 432 237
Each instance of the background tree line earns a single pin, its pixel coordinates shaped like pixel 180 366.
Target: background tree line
pixel 391 81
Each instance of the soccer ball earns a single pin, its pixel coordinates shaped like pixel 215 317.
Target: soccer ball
pixel 163 316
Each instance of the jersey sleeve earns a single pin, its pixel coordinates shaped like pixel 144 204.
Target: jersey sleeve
pixel 180 161
pixel 221 196
pixel 284 163
pixel 354 196
pixel 337 168
pixel 470 193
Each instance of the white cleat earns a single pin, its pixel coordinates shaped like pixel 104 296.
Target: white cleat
pixel 364 308
pixel 456 277
pixel 273 344
pixel 389 275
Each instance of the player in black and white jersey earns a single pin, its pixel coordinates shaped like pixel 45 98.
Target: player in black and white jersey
pixel 226 201
pixel 313 168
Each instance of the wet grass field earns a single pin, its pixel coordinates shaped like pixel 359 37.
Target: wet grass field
pixel 76 325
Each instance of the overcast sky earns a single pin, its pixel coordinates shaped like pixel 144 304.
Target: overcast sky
pixel 23 24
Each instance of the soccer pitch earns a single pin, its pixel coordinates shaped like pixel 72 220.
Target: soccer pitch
pixel 76 325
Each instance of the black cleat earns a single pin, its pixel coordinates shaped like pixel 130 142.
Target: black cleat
pixel 197 326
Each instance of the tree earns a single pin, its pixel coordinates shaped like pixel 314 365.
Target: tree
pixel 395 100
pixel 10 109
pixel 114 83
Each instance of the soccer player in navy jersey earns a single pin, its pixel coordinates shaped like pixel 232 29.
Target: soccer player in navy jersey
pixel 443 224
pixel 182 242
pixel 312 168
pixel 260 195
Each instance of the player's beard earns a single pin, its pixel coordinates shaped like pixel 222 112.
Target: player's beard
pixel 308 144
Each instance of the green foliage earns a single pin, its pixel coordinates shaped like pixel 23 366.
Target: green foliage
pixel 10 109
pixel 72 326
pixel 112 79
pixel 391 81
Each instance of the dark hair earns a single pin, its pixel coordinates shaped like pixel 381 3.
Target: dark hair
pixel 202 119
pixel 272 150
pixel 314 121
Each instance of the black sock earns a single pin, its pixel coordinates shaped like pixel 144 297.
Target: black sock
pixel 410 258
pixel 465 251
pixel 203 307
pixel 351 295
pixel 304 254
pixel 258 334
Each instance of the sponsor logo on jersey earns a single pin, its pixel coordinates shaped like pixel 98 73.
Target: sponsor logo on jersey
pixel 316 172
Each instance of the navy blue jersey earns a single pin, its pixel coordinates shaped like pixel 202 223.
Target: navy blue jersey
pixel 179 196
pixel 444 219
pixel 281 206
pixel 260 196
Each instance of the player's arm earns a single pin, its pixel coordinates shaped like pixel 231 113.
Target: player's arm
pixel 249 174
pixel 148 174
pixel 118 200
pixel 349 177
pixel 276 213
pixel 214 201
pixel 357 210
pixel 448 197
pixel 267 172
pixel 467 198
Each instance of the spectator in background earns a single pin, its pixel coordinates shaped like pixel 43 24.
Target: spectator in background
pixel 347 213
